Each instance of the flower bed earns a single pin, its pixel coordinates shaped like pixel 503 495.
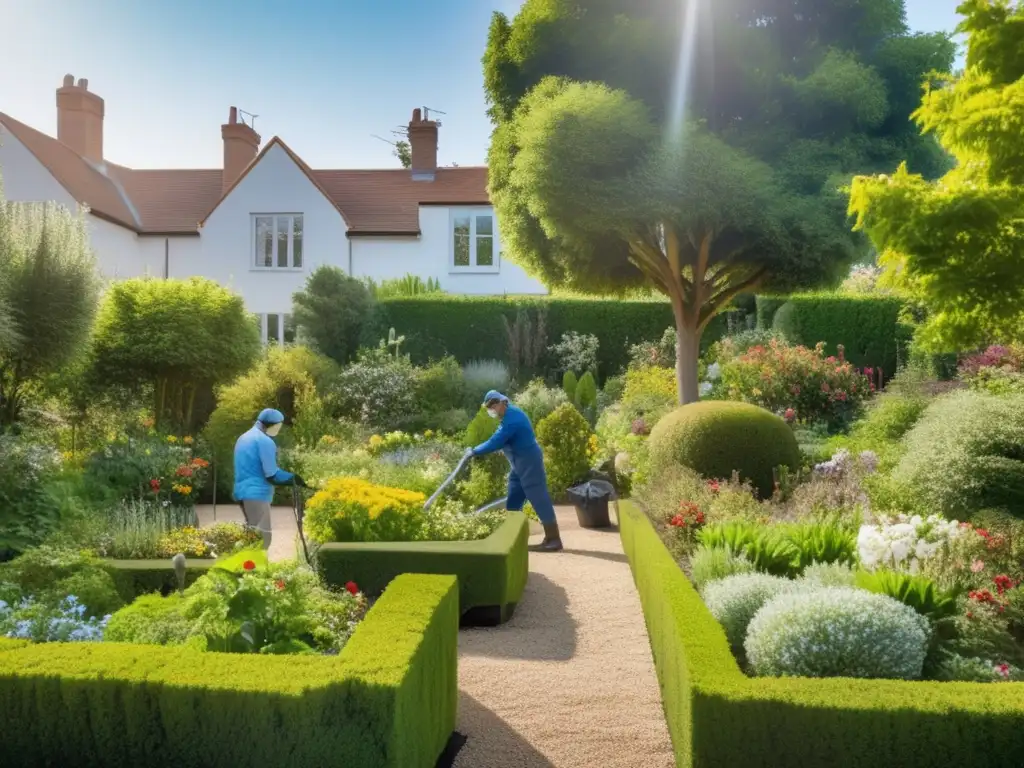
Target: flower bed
pixel 491 572
pixel 388 700
pixel 718 716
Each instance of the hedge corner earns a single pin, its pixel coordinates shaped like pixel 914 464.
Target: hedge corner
pixel 717 716
pixel 387 701
pixel 491 572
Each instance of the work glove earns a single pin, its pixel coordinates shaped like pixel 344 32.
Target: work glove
pixel 299 482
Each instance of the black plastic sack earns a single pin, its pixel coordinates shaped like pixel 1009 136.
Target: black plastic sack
pixel 591 501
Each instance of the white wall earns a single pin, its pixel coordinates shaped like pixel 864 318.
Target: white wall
pixel 25 179
pixel 430 255
pixel 226 251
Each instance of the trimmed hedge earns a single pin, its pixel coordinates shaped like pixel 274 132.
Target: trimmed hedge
pixel 868 327
pixel 473 328
pixel 387 701
pixel 717 716
pixel 133 578
pixel 491 572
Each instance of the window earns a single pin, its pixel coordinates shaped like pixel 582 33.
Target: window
pixel 474 246
pixel 277 329
pixel 278 241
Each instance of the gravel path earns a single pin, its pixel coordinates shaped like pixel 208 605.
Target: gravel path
pixel 569 682
pixel 283 544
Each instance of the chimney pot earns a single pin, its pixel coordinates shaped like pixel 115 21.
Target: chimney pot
pixel 417 115
pixel 80 118
pixel 241 145
pixel 423 146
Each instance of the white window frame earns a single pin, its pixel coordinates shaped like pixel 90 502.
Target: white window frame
pixel 282 319
pixel 473 267
pixel 254 243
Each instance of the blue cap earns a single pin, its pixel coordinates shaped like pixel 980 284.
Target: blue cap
pixel 494 395
pixel 270 416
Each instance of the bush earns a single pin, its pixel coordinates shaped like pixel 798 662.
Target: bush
pixel 48 575
pixel 967 454
pixel 716 439
pixel 378 390
pixel 331 312
pixel 440 387
pixel 349 509
pixel 287 378
pixel 27 513
pixel 576 352
pixel 179 337
pixel 586 392
pixel 837 632
pixel 868 327
pixel 539 400
pixel 150 620
pixel 709 564
pixel 569 448
pixel 829 575
pixel 388 701
pixel 569 384
pixel 657 354
pixel 471 327
pixel 735 599
pixel 481 376
pixel 782 378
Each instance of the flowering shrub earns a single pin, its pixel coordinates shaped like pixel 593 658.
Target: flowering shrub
pixel 217 540
pixel 904 542
pixel 350 509
pixel 999 370
pixel 46 575
pixel 65 622
pixel 736 599
pixel 450 520
pixel 378 390
pixel 975 670
pixel 779 377
pixel 161 468
pixel 837 632
pixel 539 400
pixel 576 352
pixel 569 448
pixel 660 354
pixel 972 559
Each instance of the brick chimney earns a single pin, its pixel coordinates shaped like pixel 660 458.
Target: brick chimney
pixel 80 118
pixel 241 144
pixel 423 144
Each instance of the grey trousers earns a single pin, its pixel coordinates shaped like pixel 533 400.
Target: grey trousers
pixel 257 515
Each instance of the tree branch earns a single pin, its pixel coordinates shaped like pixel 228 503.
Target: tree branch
pixel 726 294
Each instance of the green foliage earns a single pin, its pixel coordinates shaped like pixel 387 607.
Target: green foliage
pixel 331 312
pixel 49 289
pixel 709 564
pixel 967 454
pixel 569 448
pixel 491 572
pixel 718 716
pixel 956 244
pixel 481 376
pixel 586 392
pixel 837 632
pixel 476 327
pixel 538 400
pixel 569 384
pixel 180 337
pixel 719 438
pixel 917 592
pixel 736 599
pixel 867 327
pixel 783 550
pixel 288 379
pixel 399 287
pixel 390 697
pixel 439 388
pixel 28 514
pixel 378 390
pixel 150 620
pixel 48 575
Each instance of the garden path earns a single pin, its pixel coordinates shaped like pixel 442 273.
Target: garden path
pixel 282 521
pixel 569 681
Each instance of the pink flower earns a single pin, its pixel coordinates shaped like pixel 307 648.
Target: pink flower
pixel 977 566
pixel 1003 670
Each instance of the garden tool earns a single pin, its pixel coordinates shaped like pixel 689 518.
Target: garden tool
pixel 451 478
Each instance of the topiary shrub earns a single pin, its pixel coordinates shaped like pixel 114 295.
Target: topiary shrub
pixel 331 312
pixel 967 454
pixel 150 620
pixel 736 599
pixel 539 400
pixel 586 391
pixel 718 438
pixel 569 447
pixel 837 632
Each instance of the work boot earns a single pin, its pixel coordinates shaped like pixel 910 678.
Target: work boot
pixel 552 539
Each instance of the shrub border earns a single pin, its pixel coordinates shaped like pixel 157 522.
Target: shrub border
pixel 388 700
pixel 134 578
pixel 718 716
pixel 491 572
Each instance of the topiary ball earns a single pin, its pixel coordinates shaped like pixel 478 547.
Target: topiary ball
pixel 837 632
pixel 717 438
pixel 736 599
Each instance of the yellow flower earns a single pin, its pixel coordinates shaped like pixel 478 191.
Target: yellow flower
pixel 755 392
pixel 375 441
pixel 428 434
pixel 187 440
pixel 172 439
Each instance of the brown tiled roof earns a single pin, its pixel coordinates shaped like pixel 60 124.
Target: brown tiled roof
pixel 372 202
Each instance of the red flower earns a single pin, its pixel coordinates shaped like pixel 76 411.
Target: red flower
pixel 983 533
pixel 154 484
pixel 249 565
pixel 1003 583
pixel 279 584
pixel 1003 669
pixel 351 588
pixel 184 472
pixel 678 521
pixel 713 486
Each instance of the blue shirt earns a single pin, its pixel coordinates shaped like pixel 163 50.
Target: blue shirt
pixel 514 438
pixel 256 470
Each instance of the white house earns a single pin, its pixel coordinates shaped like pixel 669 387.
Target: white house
pixel 264 220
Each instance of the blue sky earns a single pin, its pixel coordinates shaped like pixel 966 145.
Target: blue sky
pixel 325 75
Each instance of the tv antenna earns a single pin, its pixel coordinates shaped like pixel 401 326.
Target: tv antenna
pixel 428 110
pixel 251 116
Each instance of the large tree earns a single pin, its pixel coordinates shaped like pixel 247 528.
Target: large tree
pixel 699 153
pixel 958 243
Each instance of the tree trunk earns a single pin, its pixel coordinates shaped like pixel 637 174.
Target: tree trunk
pixel 688 335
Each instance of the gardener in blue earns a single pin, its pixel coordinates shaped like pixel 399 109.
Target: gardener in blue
pixel 527 481
pixel 256 471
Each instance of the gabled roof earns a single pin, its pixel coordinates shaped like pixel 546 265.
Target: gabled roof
pixel 176 201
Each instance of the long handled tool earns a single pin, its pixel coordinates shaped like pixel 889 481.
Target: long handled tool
pixel 299 508
pixel 450 479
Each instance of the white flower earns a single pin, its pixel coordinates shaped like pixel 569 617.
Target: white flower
pixel 705 388
pixel 714 371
